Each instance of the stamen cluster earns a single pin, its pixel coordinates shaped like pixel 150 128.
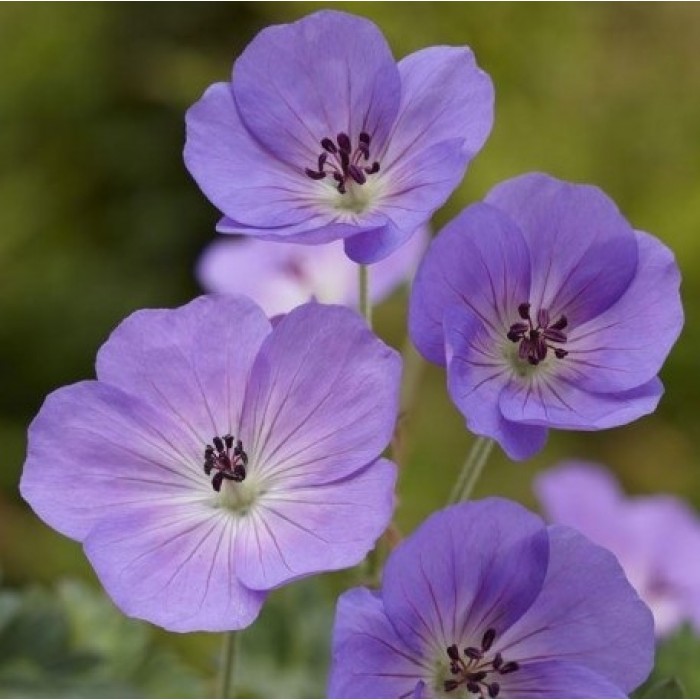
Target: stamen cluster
pixel 342 162
pixel 536 339
pixel 229 461
pixel 472 671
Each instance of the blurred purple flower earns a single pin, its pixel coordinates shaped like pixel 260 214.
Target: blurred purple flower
pixel 322 136
pixel 280 276
pixel 656 539
pixel 483 600
pixel 549 311
pixel 216 458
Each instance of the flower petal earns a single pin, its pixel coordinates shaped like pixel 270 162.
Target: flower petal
pixel 476 376
pixel 192 362
pixel 444 96
pixel 583 496
pixel 369 659
pixel 94 450
pixel 480 262
pixel 415 187
pixel 587 613
pixel 553 402
pixel 327 73
pixel 584 253
pixel 557 679
pixel 238 175
pixel 626 346
pixel 450 582
pixel 322 399
pixel 299 530
pixel 313 231
pixel 174 566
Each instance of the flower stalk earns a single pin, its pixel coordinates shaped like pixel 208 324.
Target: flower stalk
pixel 471 471
pixel 365 302
pixel 229 652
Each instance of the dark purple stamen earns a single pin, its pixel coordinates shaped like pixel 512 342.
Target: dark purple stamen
pixel 536 339
pixel 344 163
pixel 229 460
pixel 473 670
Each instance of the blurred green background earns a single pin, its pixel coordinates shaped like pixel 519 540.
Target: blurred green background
pixel 98 217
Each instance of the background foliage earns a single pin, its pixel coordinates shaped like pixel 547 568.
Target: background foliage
pixel 98 218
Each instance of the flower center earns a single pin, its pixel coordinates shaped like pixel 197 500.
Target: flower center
pixel 475 671
pixel 343 163
pixel 536 338
pixel 226 460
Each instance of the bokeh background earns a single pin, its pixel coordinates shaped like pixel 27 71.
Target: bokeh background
pixel 98 217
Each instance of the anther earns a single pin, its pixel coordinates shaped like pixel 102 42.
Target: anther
pixel 494 688
pixel 453 652
pixel 488 639
pixel 451 685
pixel 477 677
pixel 472 687
pixel 498 661
pixel 510 667
pixel 329 145
pixel 524 311
pixel 473 653
pixel 561 324
pixel 343 141
pixel 219 444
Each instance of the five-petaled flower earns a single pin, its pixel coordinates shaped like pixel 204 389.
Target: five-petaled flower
pixel 217 457
pixel 485 601
pixel 322 136
pixel 548 310
pixel 655 538
pixel 280 276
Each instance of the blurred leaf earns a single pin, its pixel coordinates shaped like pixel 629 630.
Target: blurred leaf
pixel 676 672
pixel 669 688
pixel 75 643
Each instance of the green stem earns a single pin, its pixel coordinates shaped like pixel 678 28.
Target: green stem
pixel 365 303
pixel 471 471
pixel 228 663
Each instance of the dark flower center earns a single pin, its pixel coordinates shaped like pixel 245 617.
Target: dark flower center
pixel 339 160
pixel 228 461
pixel 476 671
pixel 536 338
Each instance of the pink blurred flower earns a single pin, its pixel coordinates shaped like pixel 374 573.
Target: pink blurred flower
pixel 280 276
pixel 655 538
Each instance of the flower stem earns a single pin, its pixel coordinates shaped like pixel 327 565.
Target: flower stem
pixel 471 471
pixel 228 662
pixel 365 303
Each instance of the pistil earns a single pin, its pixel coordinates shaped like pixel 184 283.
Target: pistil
pixel 536 338
pixel 342 163
pixel 229 461
pixel 474 668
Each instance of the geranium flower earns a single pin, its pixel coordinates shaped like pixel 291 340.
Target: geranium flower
pixel 216 457
pixel 656 538
pixel 321 135
pixel 280 276
pixel 548 310
pixel 483 601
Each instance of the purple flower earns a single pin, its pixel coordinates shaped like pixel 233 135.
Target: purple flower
pixel 656 539
pixel 548 310
pixel 483 600
pixel 280 276
pixel 216 458
pixel 322 136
